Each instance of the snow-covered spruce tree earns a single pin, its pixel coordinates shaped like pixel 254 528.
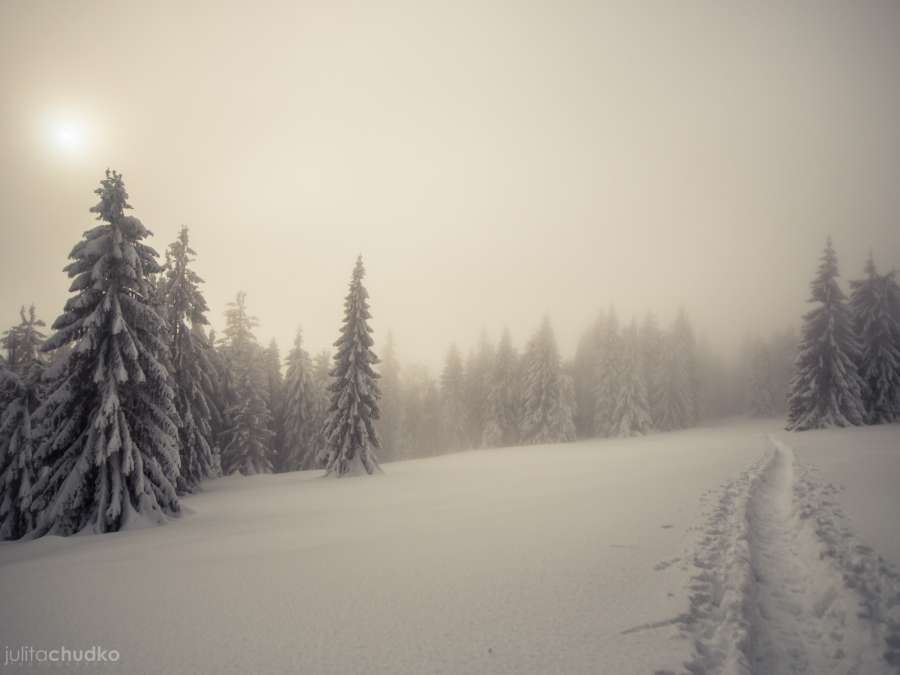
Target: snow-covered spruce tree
pixel 453 403
pixel 827 388
pixel 585 371
pixel 608 375
pixel 678 380
pixel 274 384
pixel 390 423
pixel 674 389
pixel 548 403
pixel 108 426
pixel 350 434
pixel 221 395
pixel 192 367
pixel 19 381
pixel 321 400
pixel 247 444
pixel 631 413
pixel 479 365
pixel 783 354
pixel 652 351
pixel 762 394
pixel 685 345
pixel 421 413
pixel 504 400
pixel 878 328
pixel 298 411
pixel 892 294
pixel 214 394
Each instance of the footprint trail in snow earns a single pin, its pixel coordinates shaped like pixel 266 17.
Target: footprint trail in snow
pixel 782 586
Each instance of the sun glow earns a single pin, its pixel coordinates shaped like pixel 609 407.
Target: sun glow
pixel 66 137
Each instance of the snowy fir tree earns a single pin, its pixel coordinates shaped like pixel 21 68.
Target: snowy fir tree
pixel 350 436
pixel 652 349
pixel 248 440
pixel 631 413
pixel 762 390
pixel 827 389
pixel 274 383
pixel 390 423
pixel 478 368
pixel 453 403
pixel 783 355
pixel 19 380
pixel 585 369
pixel 108 425
pixel 678 388
pixel 421 413
pixel 608 375
pixel 504 399
pixel 873 302
pixel 685 345
pixel 321 401
pixel 298 412
pixel 192 368
pixel 221 395
pixel 548 400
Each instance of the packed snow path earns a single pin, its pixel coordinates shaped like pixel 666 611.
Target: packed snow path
pixel 782 588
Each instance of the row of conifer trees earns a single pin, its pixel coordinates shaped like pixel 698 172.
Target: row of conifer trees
pixel 847 371
pixel 131 402
pixel 134 401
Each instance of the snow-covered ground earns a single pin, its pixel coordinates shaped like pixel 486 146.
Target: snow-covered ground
pixel 738 549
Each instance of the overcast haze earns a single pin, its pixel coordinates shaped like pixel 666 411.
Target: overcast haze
pixel 492 162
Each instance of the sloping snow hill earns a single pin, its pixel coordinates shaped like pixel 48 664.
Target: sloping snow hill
pixel 707 551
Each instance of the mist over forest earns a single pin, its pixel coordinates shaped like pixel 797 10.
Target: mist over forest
pixel 472 337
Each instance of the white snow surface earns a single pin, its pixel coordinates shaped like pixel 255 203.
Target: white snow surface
pixel 732 549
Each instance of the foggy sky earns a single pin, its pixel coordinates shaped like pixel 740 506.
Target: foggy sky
pixel 492 162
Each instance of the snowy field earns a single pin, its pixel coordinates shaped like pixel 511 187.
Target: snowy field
pixel 754 551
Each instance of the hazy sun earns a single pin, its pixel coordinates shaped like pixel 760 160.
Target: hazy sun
pixel 67 137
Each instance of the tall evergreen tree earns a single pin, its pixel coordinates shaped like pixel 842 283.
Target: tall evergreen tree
pixel 321 401
pixel 585 370
pixel 652 351
pixel 685 345
pixel 631 413
pixel 827 389
pixel 453 402
pixel 299 409
pixel 421 413
pixel 872 301
pixel 192 367
pixel 19 383
pixel 390 423
pixel 248 440
pixel 782 354
pixel 548 401
pixel 221 395
pixel 274 390
pixel 678 379
pixel 479 365
pixel 762 388
pixel 504 400
pixel 108 425
pixel 350 432
pixel 609 375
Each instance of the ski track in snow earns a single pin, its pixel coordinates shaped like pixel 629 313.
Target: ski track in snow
pixel 782 586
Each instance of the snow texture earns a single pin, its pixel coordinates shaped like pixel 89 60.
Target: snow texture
pixel 588 557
